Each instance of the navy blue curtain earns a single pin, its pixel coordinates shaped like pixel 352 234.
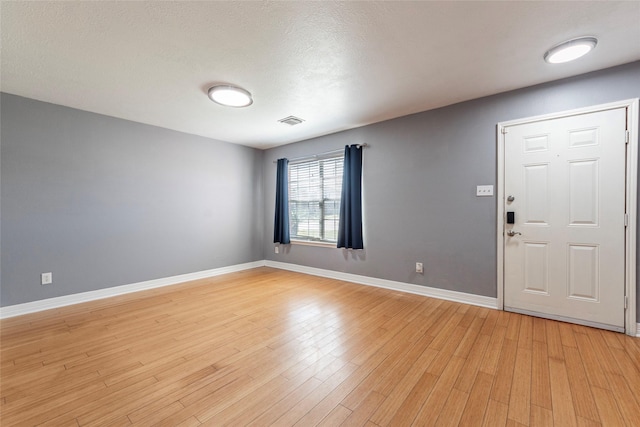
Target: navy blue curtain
pixel 281 223
pixel 350 228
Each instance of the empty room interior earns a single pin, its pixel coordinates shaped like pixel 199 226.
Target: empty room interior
pixel 319 213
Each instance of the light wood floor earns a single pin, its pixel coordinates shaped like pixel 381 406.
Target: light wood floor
pixel 268 347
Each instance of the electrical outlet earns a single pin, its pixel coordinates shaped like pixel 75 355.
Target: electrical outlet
pixel 484 190
pixel 46 278
pixel 418 267
pixel 276 249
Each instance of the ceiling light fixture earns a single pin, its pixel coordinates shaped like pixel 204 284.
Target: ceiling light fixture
pixel 570 50
pixel 230 96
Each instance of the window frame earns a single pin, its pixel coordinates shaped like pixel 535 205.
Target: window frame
pixel 322 241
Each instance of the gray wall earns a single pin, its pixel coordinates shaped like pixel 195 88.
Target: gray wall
pixel 420 174
pixel 103 202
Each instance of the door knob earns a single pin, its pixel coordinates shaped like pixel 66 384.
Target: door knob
pixel 510 199
pixel 513 233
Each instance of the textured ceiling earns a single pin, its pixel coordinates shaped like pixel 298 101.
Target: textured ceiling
pixel 338 65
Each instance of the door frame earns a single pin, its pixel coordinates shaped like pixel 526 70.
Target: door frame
pixel 631 199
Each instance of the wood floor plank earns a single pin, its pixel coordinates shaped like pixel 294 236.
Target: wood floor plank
pixel 400 409
pixel 489 363
pixel 520 396
pixel 469 371
pixel 607 407
pixel 626 400
pixel 453 408
pixel 389 372
pixel 489 323
pixel 582 398
pixel 554 340
pixel 504 378
pixel 446 352
pixel 156 416
pixel 335 396
pixel 415 360
pixel 189 422
pixel 306 404
pixel 525 335
pixel 540 417
pixel 566 335
pixel 628 368
pixel 496 414
pixel 513 327
pixel 540 384
pixel 583 422
pixel 360 414
pixel 285 403
pixel 430 411
pixel 335 417
pixel 271 347
pixel 603 352
pixel 476 406
pixel 469 338
pixel 593 370
pixel 404 387
pixel 539 329
pixel 564 413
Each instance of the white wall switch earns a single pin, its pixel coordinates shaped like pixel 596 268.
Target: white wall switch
pixel 276 249
pixel 418 267
pixel 484 190
pixel 46 278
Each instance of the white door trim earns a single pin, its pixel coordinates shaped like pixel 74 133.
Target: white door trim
pixel 631 199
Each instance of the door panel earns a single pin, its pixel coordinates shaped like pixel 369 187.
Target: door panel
pixel 536 268
pixel 583 193
pixel 536 187
pixel 567 179
pixel 584 280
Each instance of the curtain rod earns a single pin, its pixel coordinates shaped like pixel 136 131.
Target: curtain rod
pixel 322 154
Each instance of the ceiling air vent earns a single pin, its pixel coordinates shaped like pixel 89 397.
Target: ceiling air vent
pixel 291 120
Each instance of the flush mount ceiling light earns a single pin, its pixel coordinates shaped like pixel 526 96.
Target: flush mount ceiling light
pixel 570 50
pixel 230 96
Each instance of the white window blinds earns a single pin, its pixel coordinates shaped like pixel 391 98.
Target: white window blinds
pixel 315 187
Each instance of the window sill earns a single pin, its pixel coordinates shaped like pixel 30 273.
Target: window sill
pixel 311 243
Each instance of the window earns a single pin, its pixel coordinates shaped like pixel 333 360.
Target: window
pixel 315 187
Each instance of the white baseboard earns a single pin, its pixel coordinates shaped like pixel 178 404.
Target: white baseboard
pixel 455 296
pixel 638 330
pixel 49 303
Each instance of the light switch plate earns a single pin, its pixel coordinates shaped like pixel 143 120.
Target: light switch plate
pixel 484 190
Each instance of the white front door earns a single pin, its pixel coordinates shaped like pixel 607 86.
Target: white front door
pixel 564 254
